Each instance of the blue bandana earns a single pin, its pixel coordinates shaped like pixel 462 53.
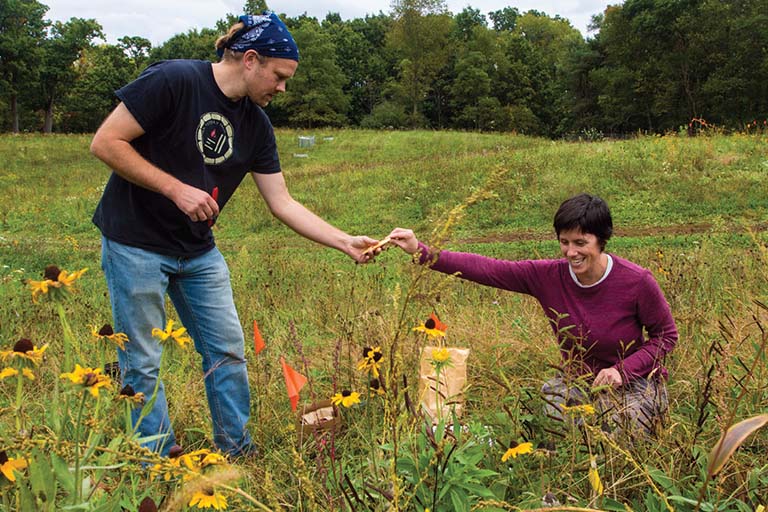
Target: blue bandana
pixel 267 34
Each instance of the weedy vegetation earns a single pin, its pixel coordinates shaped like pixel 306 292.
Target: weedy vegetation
pixel 691 209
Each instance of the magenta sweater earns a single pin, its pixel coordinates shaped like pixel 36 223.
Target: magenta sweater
pixel 597 327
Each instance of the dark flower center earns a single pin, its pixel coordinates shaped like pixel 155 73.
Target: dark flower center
pixel 3 458
pixel 377 356
pixel 106 330
pixel 346 393
pixel 429 324
pixel 147 505
pixel 52 272
pixel 91 379
pixel 175 451
pixel 513 445
pixel 374 384
pixel 23 345
pixel 208 491
pixel 128 391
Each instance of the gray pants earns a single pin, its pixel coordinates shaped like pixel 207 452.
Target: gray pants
pixel 637 406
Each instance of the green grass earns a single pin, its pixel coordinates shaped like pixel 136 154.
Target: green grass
pixel 694 211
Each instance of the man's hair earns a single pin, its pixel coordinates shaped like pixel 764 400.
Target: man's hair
pixel 588 214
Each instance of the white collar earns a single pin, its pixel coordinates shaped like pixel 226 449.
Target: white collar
pixel 608 268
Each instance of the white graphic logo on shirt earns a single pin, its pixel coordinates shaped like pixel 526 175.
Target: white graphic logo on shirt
pixel 215 138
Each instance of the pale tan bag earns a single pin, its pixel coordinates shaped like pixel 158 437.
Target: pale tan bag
pixel 449 394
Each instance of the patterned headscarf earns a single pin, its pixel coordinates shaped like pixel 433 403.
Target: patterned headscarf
pixel 265 33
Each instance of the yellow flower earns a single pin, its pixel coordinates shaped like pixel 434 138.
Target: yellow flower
pixel 12 372
pixel 433 327
pixel 213 459
pixel 53 278
pixel 371 361
pixel 517 449
pixel 584 409
pixel 8 466
pixel 376 386
pixel 208 499
pixel 127 394
pixel 594 476
pixel 107 333
pixel 179 335
pixel 24 349
pixel 440 355
pixel 346 398
pixel 89 378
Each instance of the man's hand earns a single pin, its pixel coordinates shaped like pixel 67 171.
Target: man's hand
pixel 196 204
pixel 608 377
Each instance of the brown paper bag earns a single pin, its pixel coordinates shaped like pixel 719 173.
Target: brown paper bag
pixel 317 418
pixel 439 401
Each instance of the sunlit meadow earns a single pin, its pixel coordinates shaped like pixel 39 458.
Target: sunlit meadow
pixel 692 210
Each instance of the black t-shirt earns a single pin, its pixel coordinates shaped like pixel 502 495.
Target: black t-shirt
pixel 195 133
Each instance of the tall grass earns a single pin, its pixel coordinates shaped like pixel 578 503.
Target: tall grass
pixel 692 210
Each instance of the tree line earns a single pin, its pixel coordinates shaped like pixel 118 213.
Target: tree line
pixel 648 65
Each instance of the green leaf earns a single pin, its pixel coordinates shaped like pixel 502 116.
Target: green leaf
pixel 43 486
pixel 63 475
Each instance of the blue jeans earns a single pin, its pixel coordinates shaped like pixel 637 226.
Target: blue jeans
pixel 201 292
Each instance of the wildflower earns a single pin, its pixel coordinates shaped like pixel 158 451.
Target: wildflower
pixel 24 349
pixel 516 449
pixel 8 466
pixel 375 386
pixel 433 327
pixel 179 335
pixel 346 398
pixel 12 372
pixel 594 476
pixel 128 394
pixel 212 459
pixel 107 333
pixel 207 498
pixel 53 278
pixel 371 361
pixel 582 409
pixel 440 355
pixel 89 378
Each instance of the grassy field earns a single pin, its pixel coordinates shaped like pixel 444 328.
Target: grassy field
pixel 693 210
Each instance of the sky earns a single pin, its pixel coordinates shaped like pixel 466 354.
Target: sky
pixel 158 20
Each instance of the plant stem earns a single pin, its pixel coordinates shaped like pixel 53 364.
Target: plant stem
pixel 78 484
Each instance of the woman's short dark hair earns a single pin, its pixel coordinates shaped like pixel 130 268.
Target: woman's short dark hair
pixel 588 214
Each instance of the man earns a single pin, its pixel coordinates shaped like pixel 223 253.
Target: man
pixel 179 144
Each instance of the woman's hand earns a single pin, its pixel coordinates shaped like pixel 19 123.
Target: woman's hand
pixel 608 377
pixel 404 239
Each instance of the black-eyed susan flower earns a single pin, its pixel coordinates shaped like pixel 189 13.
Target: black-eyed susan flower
pixel 128 394
pixel 372 357
pixel 179 335
pixel 376 386
pixel 53 279
pixel 107 333
pixel 9 465
pixel 346 398
pixel 516 449
pixel 24 350
pixel 12 372
pixel 579 409
pixel 212 459
pixel 433 327
pixel 90 379
pixel 207 498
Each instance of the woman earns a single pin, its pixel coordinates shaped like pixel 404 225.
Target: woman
pixel 598 305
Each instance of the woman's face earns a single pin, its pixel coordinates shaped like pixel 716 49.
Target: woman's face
pixel 582 250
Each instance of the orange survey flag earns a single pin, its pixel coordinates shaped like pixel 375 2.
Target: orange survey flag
pixel 294 381
pixel 258 341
